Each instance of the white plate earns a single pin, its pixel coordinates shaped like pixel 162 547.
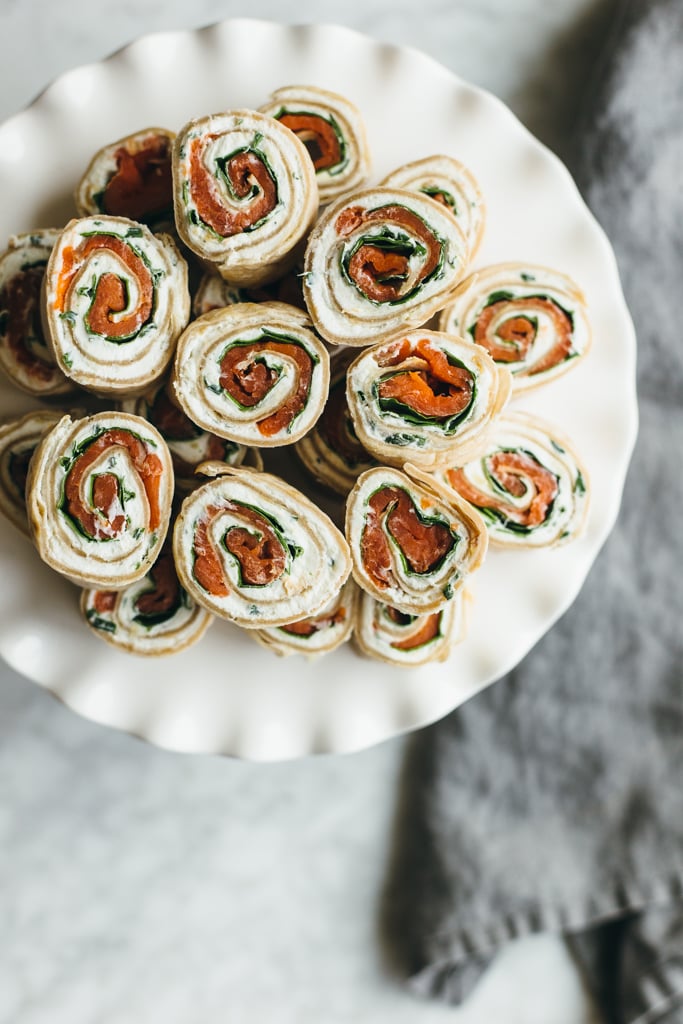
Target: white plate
pixel 227 695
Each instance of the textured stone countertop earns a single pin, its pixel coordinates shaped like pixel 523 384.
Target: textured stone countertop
pixel 138 885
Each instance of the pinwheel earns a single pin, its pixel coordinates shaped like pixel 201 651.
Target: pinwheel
pixel 98 497
pixel 412 546
pixel 24 354
pixel 332 129
pixel 529 485
pixel 424 398
pixel 18 441
pixel 379 262
pixel 131 178
pixel 251 548
pixel 386 634
pixel 153 616
pixel 213 292
pixel 255 374
pixel 531 319
pixel 451 183
pixel 116 299
pixel 245 194
pixel 319 634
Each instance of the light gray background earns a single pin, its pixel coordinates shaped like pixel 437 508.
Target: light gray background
pixel 137 885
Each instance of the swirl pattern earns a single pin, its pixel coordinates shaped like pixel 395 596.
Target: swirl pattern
pixel 255 374
pixel 153 616
pixel 116 301
pixel 254 550
pixel 379 262
pixel 318 634
pixel 531 319
pixel 18 441
pixel 528 485
pixel 389 635
pixel 424 398
pixel 25 355
pixel 412 547
pixel 245 194
pixel 332 129
pixel 98 496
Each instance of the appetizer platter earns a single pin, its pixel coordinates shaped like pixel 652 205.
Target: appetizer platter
pixel 361 400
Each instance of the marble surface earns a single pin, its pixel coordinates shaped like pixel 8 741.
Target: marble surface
pixel 140 885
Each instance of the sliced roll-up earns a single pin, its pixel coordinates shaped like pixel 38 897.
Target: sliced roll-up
pixel 332 129
pixel 25 355
pixel 131 178
pixel 18 441
pixel 379 262
pixel 253 373
pixel 253 549
pixel 531 319
pixel 215 293
pixel 331 451
pixel 413 546
pixel 98 497
pixel 529 485
pixel 245 194
pixel 318 634
pixel 389 635
pixel 424 398
pixel 188 444
pixel 451 183
pixel 152 616
pixel 116 299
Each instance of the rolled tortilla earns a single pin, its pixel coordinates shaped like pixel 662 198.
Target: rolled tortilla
pixel 451 183
pixel 188 444
pixel 254 550
pixel 18 441
pixel 331 451
pixel 215 293
pixel 116 299
pixel 386 634
pixel 529 485
pixel 318 634
pixel 255 374
pixel 245 194
pixel 531 319
pixel 425 398
pixel 153 616
pixel 25 355
pixel 412 547
pixel 379 262
pixel 98 496
pixel 333 131
pixel 131 178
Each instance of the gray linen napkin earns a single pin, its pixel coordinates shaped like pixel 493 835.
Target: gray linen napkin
pixel 554 800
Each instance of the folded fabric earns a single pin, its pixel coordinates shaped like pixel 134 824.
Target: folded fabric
pixel 553 801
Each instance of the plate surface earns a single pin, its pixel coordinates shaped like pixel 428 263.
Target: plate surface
pixel 227 695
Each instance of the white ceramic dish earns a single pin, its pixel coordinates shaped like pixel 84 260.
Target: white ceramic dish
pixel 227 695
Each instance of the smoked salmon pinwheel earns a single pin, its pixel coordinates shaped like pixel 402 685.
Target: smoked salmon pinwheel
pixel 425 397
pixel 379 262
pixel 18 441
pixel 331 451
pixel 98 497
pixel 319 634
pixel 450 183
pixel 529 485
pixel 386 634
pixel 530 319
pixel 188 444
pixel 131 178
pixel 24 353
pixel 215 293
pixel 412 546
pixel 255 374
pixel 332 129
pixel 153 616
pixel 245 194
pixel 253 549
pixel 116 299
